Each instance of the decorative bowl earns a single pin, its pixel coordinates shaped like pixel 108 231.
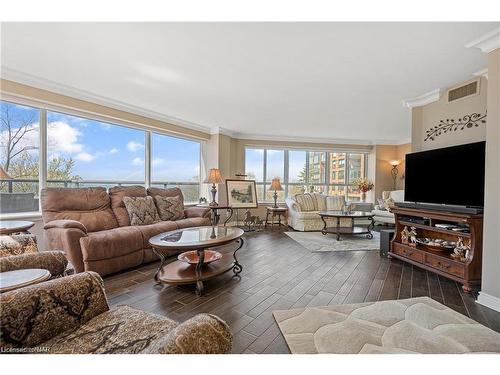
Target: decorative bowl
pixel 437 245
pixel 191 257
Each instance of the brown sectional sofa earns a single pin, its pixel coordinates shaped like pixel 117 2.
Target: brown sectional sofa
pixel 93 227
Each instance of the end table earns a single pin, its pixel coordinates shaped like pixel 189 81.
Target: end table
pixel 276 211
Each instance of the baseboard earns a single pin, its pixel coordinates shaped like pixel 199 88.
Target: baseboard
pixel 489 301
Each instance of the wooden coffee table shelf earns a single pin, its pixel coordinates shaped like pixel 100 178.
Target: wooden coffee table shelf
pixel 199 239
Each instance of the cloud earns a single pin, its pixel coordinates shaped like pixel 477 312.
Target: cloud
pixel 114 150
pixel 134 146
pixel 84 156
pixel 157 161
pixel 105 125
pixel 63 138
pixel 138 162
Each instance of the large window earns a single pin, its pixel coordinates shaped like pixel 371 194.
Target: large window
pixel 82 152
pixel 85 153
pixel 330 173
pixel 19 143
pixel 176 162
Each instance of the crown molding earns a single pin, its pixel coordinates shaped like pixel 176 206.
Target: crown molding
pixel 487 42
pixel 481 73
pixel 324 140
pixel 223 131
pixel 427 98
pixel 58 88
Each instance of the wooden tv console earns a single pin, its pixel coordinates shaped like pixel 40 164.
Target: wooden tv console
pixel 467 273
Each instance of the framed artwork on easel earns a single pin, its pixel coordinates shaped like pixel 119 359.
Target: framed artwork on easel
pixel 241 193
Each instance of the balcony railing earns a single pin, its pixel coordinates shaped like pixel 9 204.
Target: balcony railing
pixel 21 195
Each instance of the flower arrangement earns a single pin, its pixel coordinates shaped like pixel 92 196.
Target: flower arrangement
pixel 363 184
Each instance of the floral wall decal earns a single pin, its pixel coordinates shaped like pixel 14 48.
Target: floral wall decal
pixel 450 125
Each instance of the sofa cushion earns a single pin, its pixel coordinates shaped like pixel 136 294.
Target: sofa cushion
pixel 121 330
pixel 89 206
pixel 169 208
pixel 169 192
pixel 320 200
pixel 111 243
pixel 151 230
pixel 306 202
pixel 335 202
pixel 192 222
pixel 116 195
pixel 141 210
pixel 384 213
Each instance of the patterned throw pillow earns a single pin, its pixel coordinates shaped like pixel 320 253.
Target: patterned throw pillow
pixel 381 204
pixel 389 204
pixel 141 210
pixel 170 208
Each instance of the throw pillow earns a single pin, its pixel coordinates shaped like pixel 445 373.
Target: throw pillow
pixel 141 210
pixel 170 208
pixel 389 203
pixel 382 204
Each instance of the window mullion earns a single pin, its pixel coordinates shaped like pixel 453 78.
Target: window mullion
pixel 147 159
pixel 42 154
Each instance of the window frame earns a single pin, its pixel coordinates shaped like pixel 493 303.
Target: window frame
pixel 44 107
pixel 325 181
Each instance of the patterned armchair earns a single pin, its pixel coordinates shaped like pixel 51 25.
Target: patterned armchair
pixel 71 315
pixel 21 252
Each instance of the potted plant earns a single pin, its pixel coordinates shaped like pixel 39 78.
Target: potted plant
pixel 363 185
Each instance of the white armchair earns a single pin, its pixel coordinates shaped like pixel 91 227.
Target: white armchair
pixel 385 215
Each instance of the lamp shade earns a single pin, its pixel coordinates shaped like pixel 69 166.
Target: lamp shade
pixel 395 163
pixel 3 175
pixel 213 177
pixel 276 185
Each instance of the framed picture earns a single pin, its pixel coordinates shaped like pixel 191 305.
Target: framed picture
pixel 241 193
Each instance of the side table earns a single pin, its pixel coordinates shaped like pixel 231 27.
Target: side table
pixel 9 227
pixel 276 211
pixel 215 215
pixel 11 280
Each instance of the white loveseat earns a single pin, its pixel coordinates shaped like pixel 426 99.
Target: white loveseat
pixel 384 215
pixel 303 211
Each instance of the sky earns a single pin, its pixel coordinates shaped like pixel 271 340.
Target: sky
pixel 102 151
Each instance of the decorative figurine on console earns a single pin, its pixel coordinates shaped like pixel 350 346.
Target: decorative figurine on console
pixel 461 251
pixel 413 237
pixel 405 234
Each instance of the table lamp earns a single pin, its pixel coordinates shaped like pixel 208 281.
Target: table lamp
pixel 276 186
pixel 213 178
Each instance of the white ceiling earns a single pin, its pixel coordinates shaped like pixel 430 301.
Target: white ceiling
pixel 330 81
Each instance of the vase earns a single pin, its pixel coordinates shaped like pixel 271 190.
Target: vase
pixel 363 197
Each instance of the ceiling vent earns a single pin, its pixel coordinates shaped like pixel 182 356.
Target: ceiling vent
pixel 464 91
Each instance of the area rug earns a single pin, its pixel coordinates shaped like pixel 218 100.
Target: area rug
pixel 317 242
pixel 415 325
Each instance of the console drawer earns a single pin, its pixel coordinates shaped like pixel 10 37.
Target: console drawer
pixel 407 252
pixel 445 265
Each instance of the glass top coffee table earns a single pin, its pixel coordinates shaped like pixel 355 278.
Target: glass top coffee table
pixel 355 228
pixel 197 262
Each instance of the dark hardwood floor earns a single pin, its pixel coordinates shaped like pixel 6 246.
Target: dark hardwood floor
pixel 278 273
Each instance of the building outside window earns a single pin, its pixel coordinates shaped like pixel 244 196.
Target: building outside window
pixel 83 152
pixel 301 171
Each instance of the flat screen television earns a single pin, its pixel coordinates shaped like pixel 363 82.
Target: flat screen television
pixel 452 176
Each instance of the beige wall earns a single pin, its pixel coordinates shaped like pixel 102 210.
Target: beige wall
pixel 379 158
pixel 428 116
pixel 491 250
